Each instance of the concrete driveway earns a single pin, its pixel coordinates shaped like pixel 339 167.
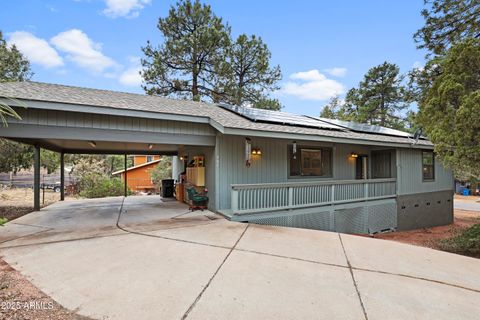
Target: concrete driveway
pixel 469 205
pixel 166 263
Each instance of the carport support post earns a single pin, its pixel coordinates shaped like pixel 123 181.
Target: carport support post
pixel 36 178
pixel 125 175
pixel 62 176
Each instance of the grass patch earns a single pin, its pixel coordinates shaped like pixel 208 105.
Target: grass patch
pixel 466 242
pixel 3 221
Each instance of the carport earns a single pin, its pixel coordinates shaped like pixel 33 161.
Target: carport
pixel 72 120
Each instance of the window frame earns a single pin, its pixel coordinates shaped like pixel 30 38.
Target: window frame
pixel 309 147
pixel 423 166
pixel 151 158
pixel 374 165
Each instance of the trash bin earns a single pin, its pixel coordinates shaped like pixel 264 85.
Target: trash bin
pixel 465 192
pixel 167 188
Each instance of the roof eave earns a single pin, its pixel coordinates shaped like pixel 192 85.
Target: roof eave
pixel 54 105
pixel 136 167
pixel 314 137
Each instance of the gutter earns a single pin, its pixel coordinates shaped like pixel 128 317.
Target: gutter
pixel 309 137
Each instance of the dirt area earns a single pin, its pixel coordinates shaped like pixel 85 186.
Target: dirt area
pixel 19 299
pixel 17 202
pixel 429 237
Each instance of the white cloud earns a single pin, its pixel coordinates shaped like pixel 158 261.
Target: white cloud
pixel 37 50
pixel 82 50
pixel 124 8
pixel 131 77
pixel 51 8
pixel 337 72
pixel 418 65
pixel 312 75
pixel 312 85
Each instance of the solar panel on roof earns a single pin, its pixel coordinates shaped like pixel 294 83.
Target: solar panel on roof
pixel 278 117
pixel 366 128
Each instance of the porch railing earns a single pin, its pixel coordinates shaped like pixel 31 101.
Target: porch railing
pixel 257 198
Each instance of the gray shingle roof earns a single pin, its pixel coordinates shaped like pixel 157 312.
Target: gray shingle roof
pixel 38 91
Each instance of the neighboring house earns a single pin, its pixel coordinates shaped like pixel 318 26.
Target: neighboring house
pixel 264 167
pixel 138 160
pixel 139 177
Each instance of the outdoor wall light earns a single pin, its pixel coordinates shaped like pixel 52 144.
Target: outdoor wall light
pixel 150 146
pixel 257 151
pixel 353 155
pixel 92 144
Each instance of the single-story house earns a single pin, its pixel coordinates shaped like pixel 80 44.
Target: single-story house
pixel 139 178
pixel 260 166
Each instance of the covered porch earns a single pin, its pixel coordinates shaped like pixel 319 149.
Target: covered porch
pixel 81 129
pixel 348 206
pixel 325 185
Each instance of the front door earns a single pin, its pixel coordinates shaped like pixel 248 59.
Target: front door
pixel 361 167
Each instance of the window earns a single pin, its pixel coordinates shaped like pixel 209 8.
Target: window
pixel 310 162
pixel 149 158
pixel 428 165
pixel 381 164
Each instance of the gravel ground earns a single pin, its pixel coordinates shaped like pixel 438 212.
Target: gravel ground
pixel 19 299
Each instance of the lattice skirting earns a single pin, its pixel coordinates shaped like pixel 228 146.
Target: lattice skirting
pixel 366 217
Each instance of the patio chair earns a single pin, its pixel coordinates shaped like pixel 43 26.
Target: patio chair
pixel 196 200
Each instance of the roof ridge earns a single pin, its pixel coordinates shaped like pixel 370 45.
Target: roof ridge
pixel 113 91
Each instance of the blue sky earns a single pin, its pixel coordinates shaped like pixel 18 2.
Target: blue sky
pixel 323 47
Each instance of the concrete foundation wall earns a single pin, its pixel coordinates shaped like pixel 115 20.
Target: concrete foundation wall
pixel 422 210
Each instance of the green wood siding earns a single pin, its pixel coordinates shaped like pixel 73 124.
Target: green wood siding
pixel 410 174
pixel 32 116
pixel 272 165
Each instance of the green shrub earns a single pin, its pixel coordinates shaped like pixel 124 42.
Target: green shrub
pixel 3 221
pixel 466 242
pixel 162 171
pixel 99 186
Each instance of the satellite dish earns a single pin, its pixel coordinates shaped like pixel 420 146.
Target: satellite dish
pixel 417 134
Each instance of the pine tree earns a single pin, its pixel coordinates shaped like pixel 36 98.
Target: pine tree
pixel 13 67
pixel 249 75
pixel 198 60
pixel 448 22
pixel 379 99
pixel 185 64
pixel 449 109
